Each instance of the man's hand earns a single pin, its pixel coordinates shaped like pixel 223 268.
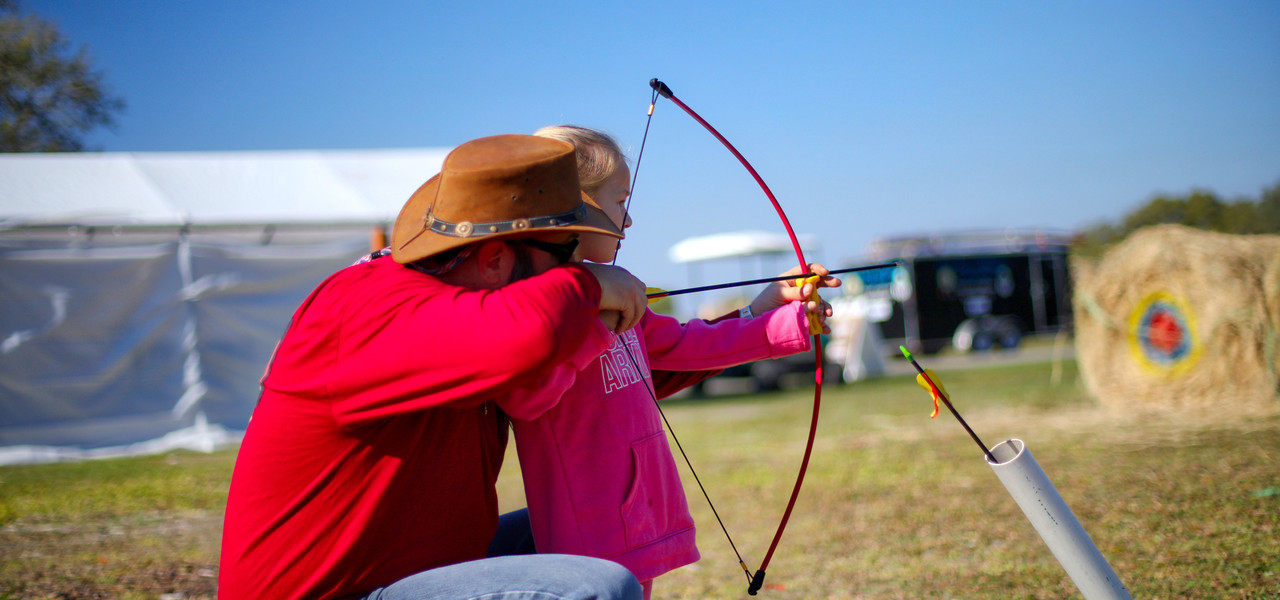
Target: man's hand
pixel 780 293
pixel 622 299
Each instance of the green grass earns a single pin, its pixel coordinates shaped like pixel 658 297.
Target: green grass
pixel 115 488
pixel 895 505
pixel 129 528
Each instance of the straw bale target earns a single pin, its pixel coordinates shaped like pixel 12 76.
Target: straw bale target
pixel 1184 319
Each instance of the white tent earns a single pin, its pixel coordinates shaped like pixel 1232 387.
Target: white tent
pixel 141 294
pixel 736 244
pixel 757 254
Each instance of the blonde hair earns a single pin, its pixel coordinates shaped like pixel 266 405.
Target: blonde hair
pixel 599 155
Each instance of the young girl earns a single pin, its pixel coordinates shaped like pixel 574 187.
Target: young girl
pixel 598 473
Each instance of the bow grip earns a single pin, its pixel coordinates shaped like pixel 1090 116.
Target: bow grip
pixel 815 326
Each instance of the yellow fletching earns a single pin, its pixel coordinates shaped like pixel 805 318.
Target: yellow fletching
pixel 924 383
pixel 649 291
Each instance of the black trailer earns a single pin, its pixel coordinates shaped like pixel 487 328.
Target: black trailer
pixel 972 291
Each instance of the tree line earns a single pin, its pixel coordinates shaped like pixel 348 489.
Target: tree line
pixel 1201 209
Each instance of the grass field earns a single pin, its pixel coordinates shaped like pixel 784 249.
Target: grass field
pixel 895 505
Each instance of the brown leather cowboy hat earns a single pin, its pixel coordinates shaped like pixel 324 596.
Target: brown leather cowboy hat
pixel 496 187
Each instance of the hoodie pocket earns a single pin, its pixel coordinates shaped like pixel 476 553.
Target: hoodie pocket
pixel 655 507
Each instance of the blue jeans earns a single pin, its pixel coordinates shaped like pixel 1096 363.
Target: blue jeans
pixel 513 572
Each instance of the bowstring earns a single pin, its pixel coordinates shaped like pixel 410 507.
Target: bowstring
pixel 653 394
pixel 635 174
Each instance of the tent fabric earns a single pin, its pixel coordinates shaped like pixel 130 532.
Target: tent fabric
pixel 141 297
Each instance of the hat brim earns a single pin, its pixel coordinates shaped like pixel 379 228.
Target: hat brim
pixel 412 240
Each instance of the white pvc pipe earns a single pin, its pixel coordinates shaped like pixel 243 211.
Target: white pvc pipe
pixel 1054 521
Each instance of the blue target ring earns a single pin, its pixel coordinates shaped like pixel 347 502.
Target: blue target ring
pixel 1162 330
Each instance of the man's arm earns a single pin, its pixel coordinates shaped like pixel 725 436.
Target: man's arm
pixel 384 340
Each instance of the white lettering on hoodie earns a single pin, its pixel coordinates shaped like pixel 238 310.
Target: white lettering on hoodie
pixel 616 366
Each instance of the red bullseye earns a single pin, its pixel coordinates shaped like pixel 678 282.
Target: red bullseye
pixel 1164 333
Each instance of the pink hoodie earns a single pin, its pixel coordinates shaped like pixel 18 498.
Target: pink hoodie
pixel 598 474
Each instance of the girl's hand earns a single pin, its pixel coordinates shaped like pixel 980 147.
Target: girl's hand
pixel 780 293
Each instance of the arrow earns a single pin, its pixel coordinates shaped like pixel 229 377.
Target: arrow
pixel 660 294
pixel 938 392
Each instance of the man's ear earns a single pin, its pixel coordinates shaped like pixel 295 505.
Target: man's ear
pixel 494 261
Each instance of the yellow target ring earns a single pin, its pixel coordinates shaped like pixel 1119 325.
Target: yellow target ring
pixel 1162 334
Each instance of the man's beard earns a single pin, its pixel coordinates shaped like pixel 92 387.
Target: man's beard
pixel 523 267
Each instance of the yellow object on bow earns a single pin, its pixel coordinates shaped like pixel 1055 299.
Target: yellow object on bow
pixel 815 326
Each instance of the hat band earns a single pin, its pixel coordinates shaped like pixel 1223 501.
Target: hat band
pixel 467 229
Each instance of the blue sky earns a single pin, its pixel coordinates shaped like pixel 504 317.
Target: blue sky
pixel 867 119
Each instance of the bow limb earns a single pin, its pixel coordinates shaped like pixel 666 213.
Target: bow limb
pixel 758 579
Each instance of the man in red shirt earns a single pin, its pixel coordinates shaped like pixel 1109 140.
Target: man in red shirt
pixel 368 467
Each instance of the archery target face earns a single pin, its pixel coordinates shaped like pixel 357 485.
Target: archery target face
pixel 1162 333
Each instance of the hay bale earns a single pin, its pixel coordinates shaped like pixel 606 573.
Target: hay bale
pixel 1175 318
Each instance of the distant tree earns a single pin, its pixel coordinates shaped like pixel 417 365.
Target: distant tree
pixel 1240 217
pixel 1268 213
pixel 1158 210
pixel 1203 211
pixel 49 97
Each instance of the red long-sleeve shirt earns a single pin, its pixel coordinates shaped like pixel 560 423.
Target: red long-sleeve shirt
pixel 373 452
